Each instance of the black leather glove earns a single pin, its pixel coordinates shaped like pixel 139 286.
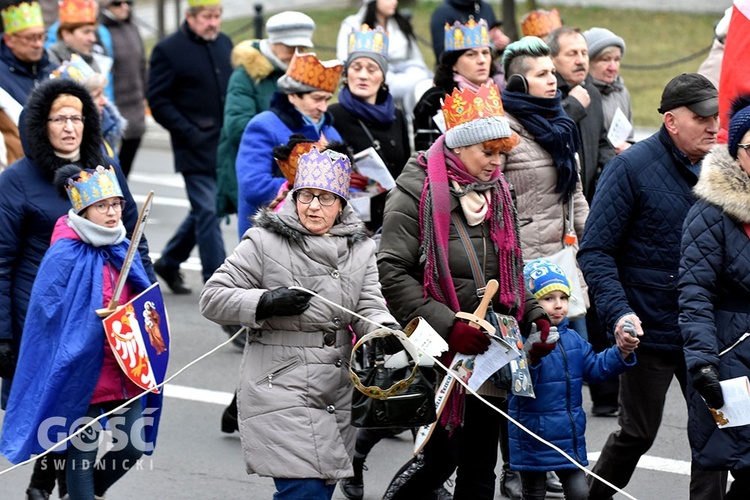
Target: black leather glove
pixel 282 302
pixel 7 359
pixel 706 382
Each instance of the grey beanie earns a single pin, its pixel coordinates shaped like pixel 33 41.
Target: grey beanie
pixel 599 39
pixel 293 29
pixel 478 131
pixel 379 59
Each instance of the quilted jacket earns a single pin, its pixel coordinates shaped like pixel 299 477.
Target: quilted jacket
pixel 715 301
pixel 294 393
pixel 630 249
pixel 556 414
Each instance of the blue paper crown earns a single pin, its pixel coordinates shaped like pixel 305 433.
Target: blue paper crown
pixel 76 69
pixel 466 36
pixel 91 188
pixel 369 40
pixel 327 170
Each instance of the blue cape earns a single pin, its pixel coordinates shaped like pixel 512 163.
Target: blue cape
pixel 62 351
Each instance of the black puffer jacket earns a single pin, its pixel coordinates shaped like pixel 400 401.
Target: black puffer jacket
pixel 715 301
pixel 30 204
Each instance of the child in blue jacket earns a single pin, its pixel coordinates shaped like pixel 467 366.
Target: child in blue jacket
pixel 556 414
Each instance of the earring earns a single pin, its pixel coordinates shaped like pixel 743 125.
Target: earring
pixel 456 151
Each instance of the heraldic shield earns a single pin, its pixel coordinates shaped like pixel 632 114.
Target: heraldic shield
pixel 138 333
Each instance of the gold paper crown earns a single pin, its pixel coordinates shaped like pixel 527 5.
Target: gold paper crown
pixel 289 165
pixel 91 188
pixel 204 3
pixel 540 23
pixel 309 70
pixel 21 17
pixel 471 35
pixel 474 117
pixel 78 11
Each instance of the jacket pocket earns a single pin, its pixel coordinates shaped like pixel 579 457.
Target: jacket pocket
pixel 279 371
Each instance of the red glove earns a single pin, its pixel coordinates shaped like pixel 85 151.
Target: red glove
pixel 358 181
pixel 539 344
pixel 467 339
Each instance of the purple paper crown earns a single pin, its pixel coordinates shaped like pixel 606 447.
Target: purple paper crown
pixel 326 170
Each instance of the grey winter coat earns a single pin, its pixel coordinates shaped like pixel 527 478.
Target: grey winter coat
pixel 294 395
pixel 615 95
pixel 529 168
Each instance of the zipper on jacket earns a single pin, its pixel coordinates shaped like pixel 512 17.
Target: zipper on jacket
pixel 567 401
pixel 281 370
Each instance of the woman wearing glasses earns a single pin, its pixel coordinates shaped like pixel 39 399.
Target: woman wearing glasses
pixel 714 289
pixel 294 395
pixel 60 125
pixel 65 360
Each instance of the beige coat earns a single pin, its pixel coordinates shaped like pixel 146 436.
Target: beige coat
pixel 294 394
pixel 541 215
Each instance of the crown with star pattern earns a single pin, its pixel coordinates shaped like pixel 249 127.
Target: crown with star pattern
pixel 474 117
pixel 92 187
pixel 471 35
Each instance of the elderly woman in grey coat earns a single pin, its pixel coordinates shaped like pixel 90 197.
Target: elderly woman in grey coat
pixel 294 395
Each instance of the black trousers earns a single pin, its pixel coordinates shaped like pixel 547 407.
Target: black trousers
pixel 470 450
pixel 128 148
pixel 602 393
pixel 643 391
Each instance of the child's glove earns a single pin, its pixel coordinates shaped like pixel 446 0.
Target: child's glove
pixel 540 342
pixel 706 382
pixel 467 339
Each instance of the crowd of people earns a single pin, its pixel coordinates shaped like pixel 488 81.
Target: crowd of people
pixel 401 200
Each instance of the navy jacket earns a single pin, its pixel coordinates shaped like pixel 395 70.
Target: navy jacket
pixel 556 414
pixel 451 11
pixel 715 301
pixel 187 84
pixel 18 78
pixel 630 249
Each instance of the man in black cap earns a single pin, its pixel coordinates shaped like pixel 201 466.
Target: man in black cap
pixel 630 253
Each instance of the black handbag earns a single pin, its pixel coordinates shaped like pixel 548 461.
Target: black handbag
pixel 391 397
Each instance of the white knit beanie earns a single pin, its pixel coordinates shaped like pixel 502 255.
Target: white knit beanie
pixel 599 39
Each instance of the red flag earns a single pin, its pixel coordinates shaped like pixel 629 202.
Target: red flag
pixel 735 67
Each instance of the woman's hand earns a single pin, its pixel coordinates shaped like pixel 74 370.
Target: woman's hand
pixel 466 339
pixel 282 302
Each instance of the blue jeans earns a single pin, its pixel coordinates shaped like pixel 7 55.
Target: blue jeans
pixel 201 226
pixel 573 482
pixel 87 477
pixel 302 489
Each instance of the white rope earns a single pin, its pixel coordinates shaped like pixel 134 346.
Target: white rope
pixel 466 386
pixel 126 403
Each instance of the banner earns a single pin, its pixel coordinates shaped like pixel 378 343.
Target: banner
pixel 138 333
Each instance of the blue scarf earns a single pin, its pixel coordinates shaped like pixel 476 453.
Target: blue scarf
pixel 551 127
pixel 383 111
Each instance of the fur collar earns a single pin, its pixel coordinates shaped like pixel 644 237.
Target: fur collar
pixel 286 223
pixel 247 55
pixel 723 183
pixel 33 127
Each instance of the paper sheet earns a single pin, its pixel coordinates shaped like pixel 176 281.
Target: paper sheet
pixel 475 370
pixel 736 409
pixel 619 129
pixel 369 164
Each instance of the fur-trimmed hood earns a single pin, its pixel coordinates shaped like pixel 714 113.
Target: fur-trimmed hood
pixel 248 55
pixel 723 183
pixel 33 127
pixel 286 223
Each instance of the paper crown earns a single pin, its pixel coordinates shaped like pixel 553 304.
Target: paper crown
pixel 76 69
pixel 78 11
pixel 92 187
pixel 542 277
pixel 466 36
pixel 204 3
pixel 21 17
pixel 369 40
pixel 540 23
pixel 309 70
pixel 327 170
pixel 288 166
pixel 474 117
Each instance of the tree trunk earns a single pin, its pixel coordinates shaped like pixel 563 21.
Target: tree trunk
pixel 509 19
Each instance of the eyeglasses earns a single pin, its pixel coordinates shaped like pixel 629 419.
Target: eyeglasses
pixel 62 120
pixel 744 146
pixel 117 3
pixel 103 207
pixel 325 199
pixel 32 38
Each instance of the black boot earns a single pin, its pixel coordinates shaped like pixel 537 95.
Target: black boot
pixel 510 484
pixel 229 423
pixel 353 488
pixel 173 278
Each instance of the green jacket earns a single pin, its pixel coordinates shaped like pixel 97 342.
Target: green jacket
pixel 251 86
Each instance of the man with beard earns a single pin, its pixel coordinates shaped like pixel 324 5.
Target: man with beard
pixel 188 80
